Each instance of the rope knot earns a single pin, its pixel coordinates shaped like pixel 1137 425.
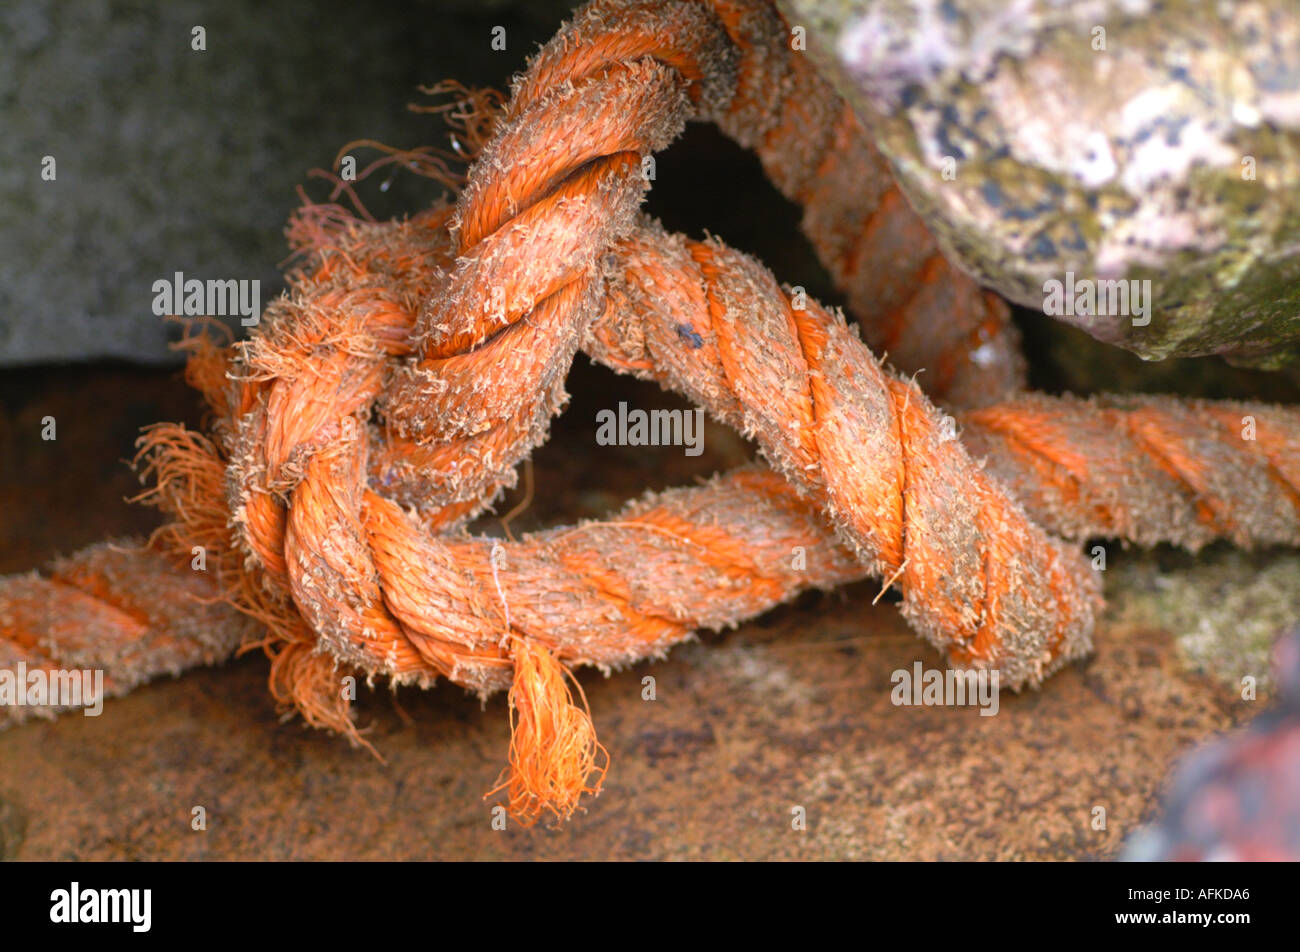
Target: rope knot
pixel 388 398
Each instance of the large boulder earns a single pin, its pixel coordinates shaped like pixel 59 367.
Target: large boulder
pixel 1108 140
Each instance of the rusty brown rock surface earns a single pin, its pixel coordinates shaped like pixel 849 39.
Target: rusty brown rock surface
pixel 792 710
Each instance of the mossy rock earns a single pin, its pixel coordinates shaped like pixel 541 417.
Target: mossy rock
pixel 1224 608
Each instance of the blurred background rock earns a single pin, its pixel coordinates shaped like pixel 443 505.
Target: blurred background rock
pixel 169 159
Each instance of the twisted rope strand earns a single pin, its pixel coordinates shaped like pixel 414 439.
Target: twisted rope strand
pixel 119 608
pixel 979 579
pixel 1147 469
pixel 921 310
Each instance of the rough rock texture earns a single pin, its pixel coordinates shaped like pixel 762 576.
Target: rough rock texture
pixel 168 159
pixel 1169 155
pixel 1224 607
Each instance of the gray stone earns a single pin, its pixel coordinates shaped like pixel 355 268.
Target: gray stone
pixel 1128 162
pixel 169 159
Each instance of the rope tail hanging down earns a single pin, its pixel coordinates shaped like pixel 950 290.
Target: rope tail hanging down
pixel 388 397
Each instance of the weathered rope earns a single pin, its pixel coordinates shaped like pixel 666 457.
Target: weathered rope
pixel 389 396
pixel 124 610
pixel 919 309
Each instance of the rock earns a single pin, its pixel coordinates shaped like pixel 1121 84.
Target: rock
pixel 13 824
pixel 170 159
pixel 1224 607
pixel 1238 799
pixel 1112 139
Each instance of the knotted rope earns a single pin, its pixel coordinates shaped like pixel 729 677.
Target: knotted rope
pixel 389 396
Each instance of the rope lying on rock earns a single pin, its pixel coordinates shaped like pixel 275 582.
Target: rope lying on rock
pixel 387 399
pixel 125 610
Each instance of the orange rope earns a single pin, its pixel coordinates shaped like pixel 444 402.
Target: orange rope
pixel 390 395
pixel 124 610
pixel 919 309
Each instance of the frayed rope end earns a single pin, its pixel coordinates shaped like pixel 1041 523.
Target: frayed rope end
pixel 554 756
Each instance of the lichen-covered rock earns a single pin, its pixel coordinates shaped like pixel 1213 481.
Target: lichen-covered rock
pixel 1113 140
pixel 1223 607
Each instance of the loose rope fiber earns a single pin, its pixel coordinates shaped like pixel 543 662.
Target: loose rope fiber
pixel 389 396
